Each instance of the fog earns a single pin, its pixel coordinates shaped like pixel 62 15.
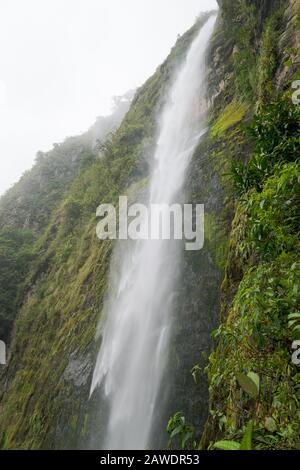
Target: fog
pixel 61 61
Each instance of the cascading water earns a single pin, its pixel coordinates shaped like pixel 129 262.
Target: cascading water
pixel 134 352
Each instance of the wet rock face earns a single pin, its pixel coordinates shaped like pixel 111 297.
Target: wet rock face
pixel 79 370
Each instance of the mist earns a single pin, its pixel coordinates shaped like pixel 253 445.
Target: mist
pixel 62 61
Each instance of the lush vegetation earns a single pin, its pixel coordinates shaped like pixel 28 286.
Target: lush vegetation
pixel 264 253
pixel 275 132
pixel 253 384
pixel 54 271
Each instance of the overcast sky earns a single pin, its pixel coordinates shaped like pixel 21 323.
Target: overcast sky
pixel 61 61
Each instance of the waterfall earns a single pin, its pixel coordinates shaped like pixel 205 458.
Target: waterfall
pixel 133 356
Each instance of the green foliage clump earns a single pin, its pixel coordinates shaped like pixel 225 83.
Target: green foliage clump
pixel 276 134
pixel 274 213
pixel 246 443
pixel 180 432
pixel 257 336
pixel 263 272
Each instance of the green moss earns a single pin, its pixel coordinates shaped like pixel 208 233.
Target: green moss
pixel 232 114
pixel 216 239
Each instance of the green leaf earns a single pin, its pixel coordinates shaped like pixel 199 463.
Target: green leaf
pixel 227 445
pixel 292 323
pixel 294 315
pixel 246 443
pixel 249 383
pixel 255 377
pixel 176 431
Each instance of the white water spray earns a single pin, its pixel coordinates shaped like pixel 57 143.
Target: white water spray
pixel 134 352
